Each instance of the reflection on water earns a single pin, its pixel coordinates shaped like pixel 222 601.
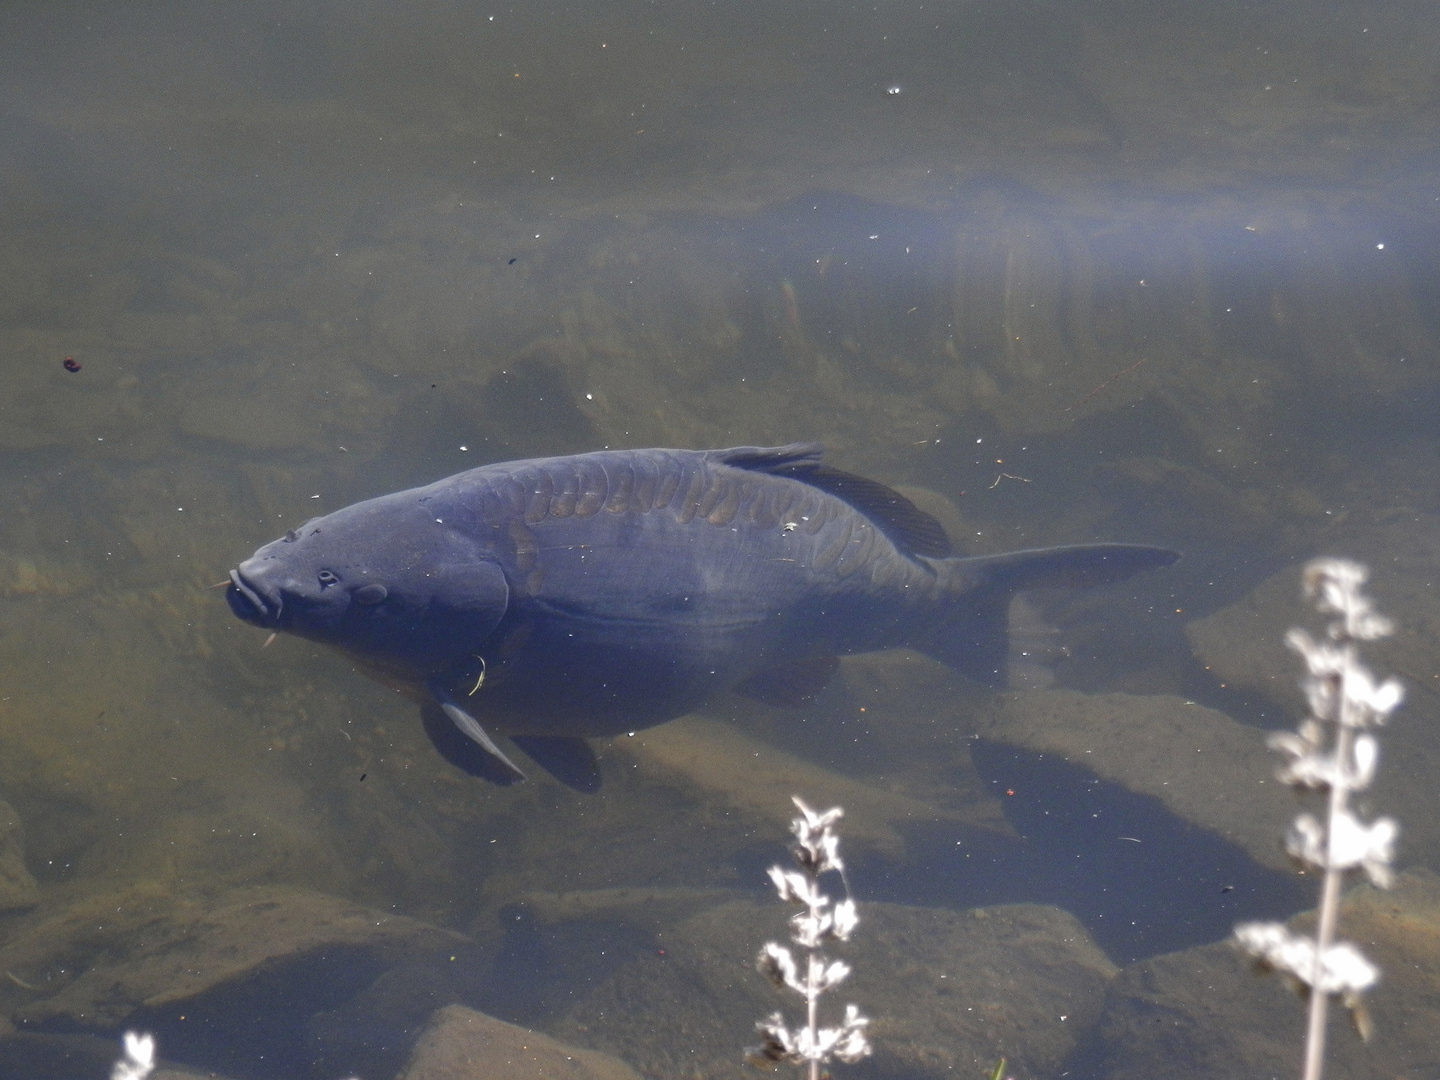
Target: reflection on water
pixel 1106 271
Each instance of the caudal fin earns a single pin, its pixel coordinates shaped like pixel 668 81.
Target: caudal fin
pixel 975 639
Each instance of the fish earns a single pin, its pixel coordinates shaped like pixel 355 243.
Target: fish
pixel 554 600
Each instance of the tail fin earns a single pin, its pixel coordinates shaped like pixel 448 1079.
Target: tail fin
pixel 975 639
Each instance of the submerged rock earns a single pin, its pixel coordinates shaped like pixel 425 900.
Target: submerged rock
pixel 58 1057
pixel 1205 1012
pixel 1203 766
pixel 17 886
pixel 757 780
pixel 645 907
pixel 95 962
pixel 948 992
pixel 462 1043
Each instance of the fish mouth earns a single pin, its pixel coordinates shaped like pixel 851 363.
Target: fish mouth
pixel 248 603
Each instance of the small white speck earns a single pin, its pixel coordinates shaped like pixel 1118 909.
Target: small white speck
pixel 179 508
pixel 464 448
pixel 589 397
pixel 438 521
pixel 314 496
pixel 894 89
pixel 1379 247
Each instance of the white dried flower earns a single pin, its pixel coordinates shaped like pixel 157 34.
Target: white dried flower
pixel 828 975
pixel 1367 847
pixel 1373 701
pixel 819 849
pixel 808 928
pixel 1334 585
pixel 1306 841
pixel 852 1044
pixel 776 1045
pixel 1344 971
pixel 795 887
pixel 777 965
pixel 1310 770
pixel 844 919
pixel 1347 844
pixel 1364 755
pixel 139 1059
pixel 817 852
pixel 1321 657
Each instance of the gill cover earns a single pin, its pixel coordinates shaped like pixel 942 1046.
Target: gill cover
pixel 429 618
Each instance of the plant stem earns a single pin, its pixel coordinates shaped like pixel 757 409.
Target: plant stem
pixel 1329 905
pixel 812 1000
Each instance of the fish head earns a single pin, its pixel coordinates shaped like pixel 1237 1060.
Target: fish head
pixel 397 589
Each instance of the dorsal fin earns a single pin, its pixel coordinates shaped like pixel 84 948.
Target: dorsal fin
pixel 767 458
pixel 910 529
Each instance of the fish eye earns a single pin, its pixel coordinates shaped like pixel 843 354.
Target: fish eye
pixel 370 595
pixel 327 578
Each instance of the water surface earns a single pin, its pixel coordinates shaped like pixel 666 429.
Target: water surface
pixel 1090 271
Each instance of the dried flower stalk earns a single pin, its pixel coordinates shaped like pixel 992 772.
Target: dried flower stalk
pixel 816 852
pixel 1332 752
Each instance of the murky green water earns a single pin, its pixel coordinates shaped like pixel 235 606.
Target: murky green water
pixel 1087 271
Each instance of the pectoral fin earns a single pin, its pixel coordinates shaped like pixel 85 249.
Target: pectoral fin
pixel 472 730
